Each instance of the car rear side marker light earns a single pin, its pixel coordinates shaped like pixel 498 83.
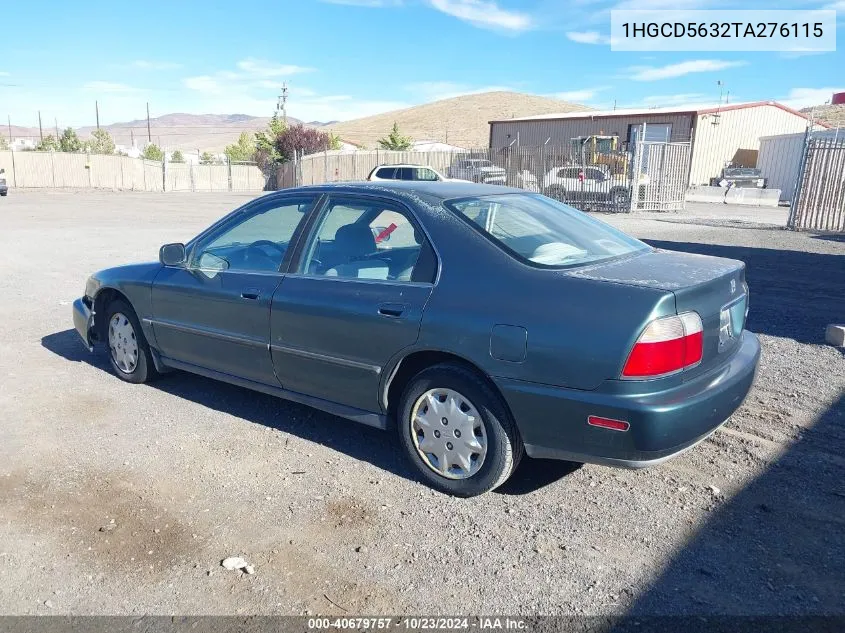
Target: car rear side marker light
pixel 608 423
pixel 667 345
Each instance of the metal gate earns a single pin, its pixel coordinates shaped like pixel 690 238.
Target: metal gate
pixel 820 197
pixel 659 175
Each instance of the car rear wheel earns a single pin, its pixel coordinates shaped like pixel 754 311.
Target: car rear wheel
pixel 129 354
pixel 457 432
pixel 620 199
pixel 557 193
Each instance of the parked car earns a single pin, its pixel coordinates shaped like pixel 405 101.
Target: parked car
pixel 405 172
pixel 493 322
pixel 4 188
pixel 477 170
pixel 589 184
pixel 748 177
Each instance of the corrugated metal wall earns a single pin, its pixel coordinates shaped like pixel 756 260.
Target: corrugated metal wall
pixel 741 129
pixel 561 131
pixel 779 160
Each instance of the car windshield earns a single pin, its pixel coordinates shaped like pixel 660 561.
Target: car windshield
pixel 542 232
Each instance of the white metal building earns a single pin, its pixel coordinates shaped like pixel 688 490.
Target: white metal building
pixel 719 135
pixel 780 158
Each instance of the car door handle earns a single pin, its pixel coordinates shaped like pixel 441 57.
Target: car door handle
pixel 392 310
pixel 253 294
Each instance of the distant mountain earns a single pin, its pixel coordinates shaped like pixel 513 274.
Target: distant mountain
pixel 832 115
pixel 461 121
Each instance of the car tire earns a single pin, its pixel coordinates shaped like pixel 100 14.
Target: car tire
pixel 129 354
pixel 475 408
pixel 620 199
pixel 557 193
pixel 4 194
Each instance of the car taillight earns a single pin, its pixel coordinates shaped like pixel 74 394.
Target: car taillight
pixel 667 345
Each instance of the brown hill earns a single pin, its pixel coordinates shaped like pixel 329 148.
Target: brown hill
pixel 459 121
pixel 833 115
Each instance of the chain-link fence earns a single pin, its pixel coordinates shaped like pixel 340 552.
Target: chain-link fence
pixel 820 194
pixel 650 176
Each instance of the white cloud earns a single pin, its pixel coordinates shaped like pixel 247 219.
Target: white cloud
pixel 145 64
pixel 425 91
pixel 250 74
pixel 203 83
pixel 578 96
pixel 262 68
pixel 3 73
pixel 808 97
pixel 587 37
pixel 108 87
pixel 655 73
pixel 485 14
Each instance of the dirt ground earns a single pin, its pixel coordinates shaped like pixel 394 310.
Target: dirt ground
pixel 123 499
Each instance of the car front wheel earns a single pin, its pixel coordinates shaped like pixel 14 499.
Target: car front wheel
pixel 457 432
pixel 129 354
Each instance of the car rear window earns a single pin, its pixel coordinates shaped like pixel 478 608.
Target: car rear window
pixel 543 232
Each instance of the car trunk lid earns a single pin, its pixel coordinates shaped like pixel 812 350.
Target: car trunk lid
pixel 713 287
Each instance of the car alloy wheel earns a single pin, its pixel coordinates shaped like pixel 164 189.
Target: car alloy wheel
pixel 123 344
pixel 448 433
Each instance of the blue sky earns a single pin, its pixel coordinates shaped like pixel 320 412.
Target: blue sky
pixel 344 59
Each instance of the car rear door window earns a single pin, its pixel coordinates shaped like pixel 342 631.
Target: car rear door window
pixel 367 239
pixel 388 173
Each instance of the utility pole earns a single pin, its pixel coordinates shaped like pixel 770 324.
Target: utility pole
pixel 9 119
pixel 56 121
pixel 40 129
pixel 149 134
pixel 281 104
pixel 97 111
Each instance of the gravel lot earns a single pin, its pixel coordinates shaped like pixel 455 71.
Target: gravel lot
pixel 123 499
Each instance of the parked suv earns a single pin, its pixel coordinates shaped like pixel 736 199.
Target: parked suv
pixel 4 188
pixel 477 170
pixel 405 172
pixel 591 184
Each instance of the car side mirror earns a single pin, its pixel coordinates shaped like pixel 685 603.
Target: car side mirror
pixel 172 255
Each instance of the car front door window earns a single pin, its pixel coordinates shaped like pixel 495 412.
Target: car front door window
pixel 254 242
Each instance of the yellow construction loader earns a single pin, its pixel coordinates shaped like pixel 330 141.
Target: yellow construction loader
pixel 600 150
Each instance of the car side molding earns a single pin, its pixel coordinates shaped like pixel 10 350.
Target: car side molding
pixel 367 418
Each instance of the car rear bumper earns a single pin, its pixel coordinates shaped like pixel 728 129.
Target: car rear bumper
pixel 663 423
pixel 83 321
pixel 4 189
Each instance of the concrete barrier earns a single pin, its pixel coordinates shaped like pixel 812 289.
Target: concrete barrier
pixel 738 195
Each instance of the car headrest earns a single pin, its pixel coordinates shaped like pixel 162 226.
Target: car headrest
pixel 353 240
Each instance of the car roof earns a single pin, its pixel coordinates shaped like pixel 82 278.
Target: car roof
pixel 405 165
pixel 439 190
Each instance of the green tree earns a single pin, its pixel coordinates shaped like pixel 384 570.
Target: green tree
pixel 153 152
pixel 243 151
pixel 47 144
pixel 207 158
pixel 69 141
pixel 395 140
pixel 176 157
pixel 334 141
pixel 101 143
pixel 4 144
pixel 266 153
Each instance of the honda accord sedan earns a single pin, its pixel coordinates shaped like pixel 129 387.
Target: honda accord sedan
pixel 480 322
